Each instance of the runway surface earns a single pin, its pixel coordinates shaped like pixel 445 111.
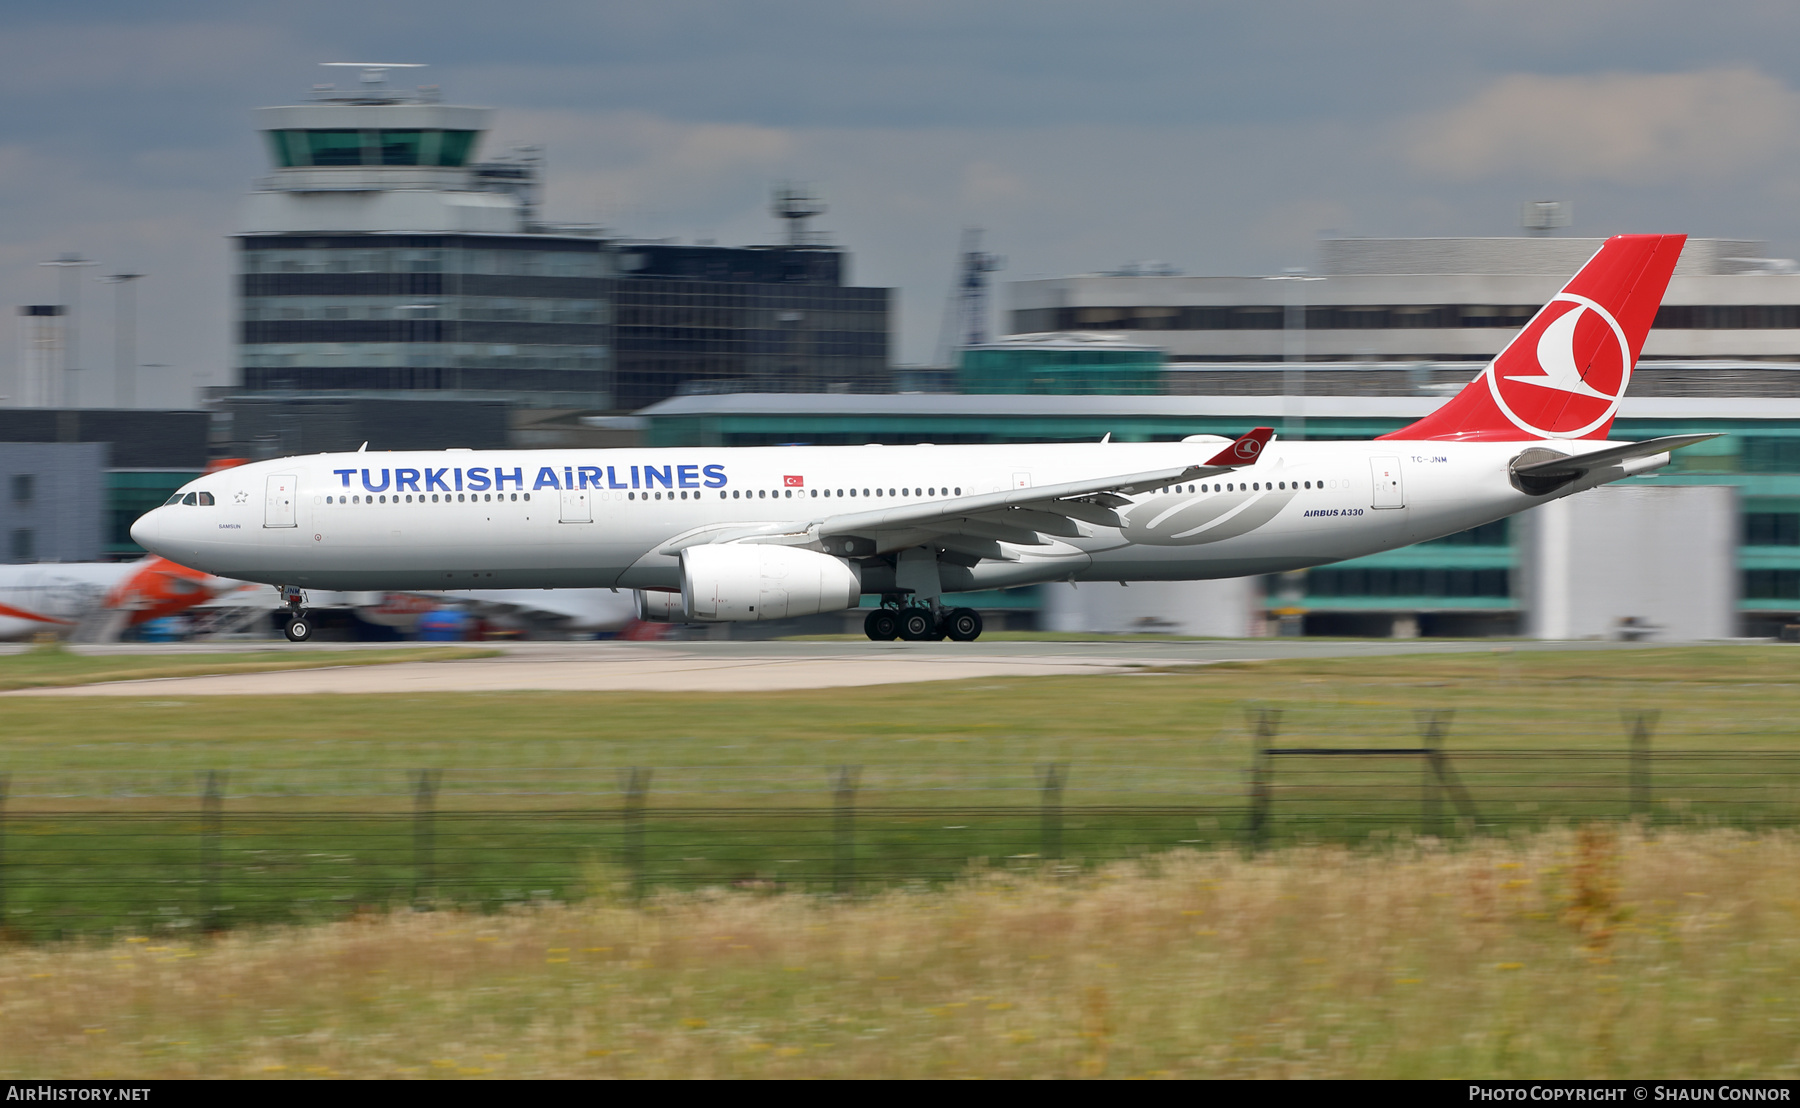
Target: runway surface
pixel 746 666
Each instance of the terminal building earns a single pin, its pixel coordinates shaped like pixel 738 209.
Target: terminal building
pixel 382 258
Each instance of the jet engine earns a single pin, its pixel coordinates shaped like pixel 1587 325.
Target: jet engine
pixel 742 583
pixel 658 606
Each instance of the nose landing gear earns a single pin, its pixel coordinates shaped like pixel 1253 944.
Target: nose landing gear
pixel 299 625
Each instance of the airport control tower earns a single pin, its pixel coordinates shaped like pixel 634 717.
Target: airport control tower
pixel 380 258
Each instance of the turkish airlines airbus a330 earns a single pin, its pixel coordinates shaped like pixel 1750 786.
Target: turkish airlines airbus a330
pixel 761 533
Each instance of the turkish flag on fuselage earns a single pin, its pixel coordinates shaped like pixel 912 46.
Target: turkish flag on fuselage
pixel 794 482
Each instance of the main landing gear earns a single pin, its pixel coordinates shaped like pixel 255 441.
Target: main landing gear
pixel 299 625
pixel 918 624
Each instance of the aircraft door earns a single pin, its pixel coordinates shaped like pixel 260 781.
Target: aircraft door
pixel 278 504
pixel 1390 492
pixel 577 506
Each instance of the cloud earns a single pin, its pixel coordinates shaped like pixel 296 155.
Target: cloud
pixel 1615 127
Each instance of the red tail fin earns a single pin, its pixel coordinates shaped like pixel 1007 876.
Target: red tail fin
pixel 1562 376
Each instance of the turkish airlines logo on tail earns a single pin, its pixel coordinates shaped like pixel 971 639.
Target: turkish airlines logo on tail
pixel 1565 373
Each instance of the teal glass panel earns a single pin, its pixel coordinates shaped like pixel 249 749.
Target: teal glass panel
pixel 400 147
pixel 278 148
pixel 1061 372
pixel 335 147
pixel 1772 584
pixel 455 146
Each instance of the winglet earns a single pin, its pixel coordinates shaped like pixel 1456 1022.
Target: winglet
pixel 1245 450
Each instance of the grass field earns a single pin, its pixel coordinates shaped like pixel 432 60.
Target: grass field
pixel 1595 954
pixel 105 827
pixel 51 666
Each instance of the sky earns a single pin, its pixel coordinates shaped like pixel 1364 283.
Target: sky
pixel 1219 138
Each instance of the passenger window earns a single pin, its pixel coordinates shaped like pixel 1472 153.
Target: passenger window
pixel 959 490
pixel 528 496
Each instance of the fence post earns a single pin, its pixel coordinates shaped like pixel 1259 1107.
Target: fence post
pixel 1052 774
pixel 1266 724
pixel 212 818
pixel 1432 726
pixel 5 781
pixel 636 784
pixel 425 786
pixel 843 838
pixel 1641 724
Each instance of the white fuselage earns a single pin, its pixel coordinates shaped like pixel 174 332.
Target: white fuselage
pixel 608 518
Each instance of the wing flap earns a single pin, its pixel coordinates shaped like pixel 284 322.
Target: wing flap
pixel 1050 523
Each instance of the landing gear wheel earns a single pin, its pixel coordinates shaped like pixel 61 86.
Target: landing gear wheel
pixel 300 628
pixel 962 624
pixel 882 625
pixel 917 625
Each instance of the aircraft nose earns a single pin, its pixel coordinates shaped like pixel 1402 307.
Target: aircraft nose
pixel 148 529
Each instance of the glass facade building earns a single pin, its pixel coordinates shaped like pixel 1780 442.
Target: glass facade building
pixel 445 315
pixel 744 319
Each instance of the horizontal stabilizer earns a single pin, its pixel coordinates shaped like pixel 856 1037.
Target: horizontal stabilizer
pixel 1576 464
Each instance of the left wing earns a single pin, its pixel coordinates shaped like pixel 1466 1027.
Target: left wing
pixel 977 525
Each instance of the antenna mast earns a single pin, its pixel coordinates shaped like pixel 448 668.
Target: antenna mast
pixel 792 205
pixel 966 316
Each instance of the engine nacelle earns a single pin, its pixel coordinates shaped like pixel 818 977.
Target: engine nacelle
pixel 753 581
pixel 659 607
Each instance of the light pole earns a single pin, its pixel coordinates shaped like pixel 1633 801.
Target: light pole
pixel 71 298
pixel 1293 353
pixel 124 339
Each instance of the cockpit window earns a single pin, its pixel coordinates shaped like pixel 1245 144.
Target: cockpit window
pixel 176 499
pixel 206 498
pixel 191 499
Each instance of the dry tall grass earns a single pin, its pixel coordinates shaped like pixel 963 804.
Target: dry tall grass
pixel 1591 953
